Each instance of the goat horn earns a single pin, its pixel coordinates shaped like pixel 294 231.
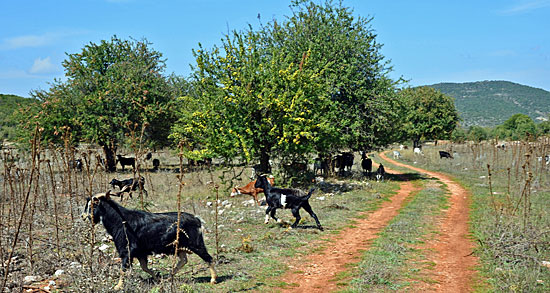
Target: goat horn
pixel 102 195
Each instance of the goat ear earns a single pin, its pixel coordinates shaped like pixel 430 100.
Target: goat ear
pixel 95 199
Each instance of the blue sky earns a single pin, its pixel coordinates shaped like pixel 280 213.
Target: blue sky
pixel 427 41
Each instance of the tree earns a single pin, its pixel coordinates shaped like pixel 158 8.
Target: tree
pixel 517 127
pixel 316 82
pixel 458 135
pixel 345 51
pixel 426 113
pixel 543 128
pixel 477 134
pixel 113 88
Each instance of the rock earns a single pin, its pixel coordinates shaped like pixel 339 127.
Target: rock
pixel 59 273
pixel 546 264
pixel 321 198
pixel 208 203
pixel 103 247
pixel 225 202
pixel 250 202
pixel 30 279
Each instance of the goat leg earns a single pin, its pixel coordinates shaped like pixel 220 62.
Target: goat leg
pixel 213 274
pixel 181 262
pixel 143 264
pixel 296 214
pixel 273 210
pixel 267 211
pixel 308 209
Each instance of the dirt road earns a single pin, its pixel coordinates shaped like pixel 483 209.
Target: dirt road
pixel 450 251
pixel 315 272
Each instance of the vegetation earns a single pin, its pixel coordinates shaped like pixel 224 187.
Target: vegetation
pixel 509 216
pixel 517 127
pixel 9 104
pixel 490 103
pixel 114 89
pixel 276 91
pixel 249 254
pixel 315 83
pixel 426 113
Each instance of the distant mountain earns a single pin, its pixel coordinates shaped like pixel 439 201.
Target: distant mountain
pixel 490 103
pixel 8 105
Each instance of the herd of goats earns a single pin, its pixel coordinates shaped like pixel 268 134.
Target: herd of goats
pixel 138 234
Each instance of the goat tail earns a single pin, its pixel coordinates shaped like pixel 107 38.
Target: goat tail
pixel 309 193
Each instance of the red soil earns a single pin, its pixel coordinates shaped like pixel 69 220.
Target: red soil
pixel 450 251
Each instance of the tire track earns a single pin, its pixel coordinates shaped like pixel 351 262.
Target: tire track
pixel 315 272
pixel 451 250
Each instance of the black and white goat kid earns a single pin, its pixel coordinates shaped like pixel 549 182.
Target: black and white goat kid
pixel 287 198
pixel 129 185
pixel 380 173
pixel 137 234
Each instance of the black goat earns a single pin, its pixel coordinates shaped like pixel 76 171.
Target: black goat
pixel 126 161
pixel 380 173
pixel 366 164
pixel 444 154
pixel 131 184
pixel 320 164
pixel 343 161
pixel 156 164
pixel 287 198
pixel 77 164
pixel 138 234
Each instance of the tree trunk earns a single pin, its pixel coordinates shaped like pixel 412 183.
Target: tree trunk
pixel 265 167
pixel 110 161
pixel 416 143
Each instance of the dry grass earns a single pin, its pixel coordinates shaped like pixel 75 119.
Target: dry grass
pixel 41 232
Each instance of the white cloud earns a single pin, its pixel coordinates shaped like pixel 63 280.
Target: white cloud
pixel 526 6
pixel 34 41
pixel 42 66
pixel 27 41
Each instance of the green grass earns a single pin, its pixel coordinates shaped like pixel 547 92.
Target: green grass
pixel 250 255
pixel 511 228
pixel 392 264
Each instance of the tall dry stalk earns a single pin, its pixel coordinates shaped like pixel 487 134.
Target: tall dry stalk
pixel 55 209
pixel 34 143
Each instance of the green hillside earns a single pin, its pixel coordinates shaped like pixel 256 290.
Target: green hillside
pixel 8 104
pixel 490 103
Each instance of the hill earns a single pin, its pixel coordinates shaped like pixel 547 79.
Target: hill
pixel 490 103
pixel 8 105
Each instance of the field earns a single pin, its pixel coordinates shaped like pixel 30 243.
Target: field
pixel 43 239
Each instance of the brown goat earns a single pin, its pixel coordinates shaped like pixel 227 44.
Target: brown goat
pixel 250 189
